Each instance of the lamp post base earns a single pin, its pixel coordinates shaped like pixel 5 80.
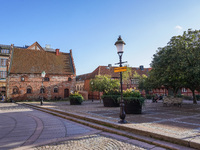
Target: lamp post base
pixel 122 121
pixel 41 102
pixel 122 114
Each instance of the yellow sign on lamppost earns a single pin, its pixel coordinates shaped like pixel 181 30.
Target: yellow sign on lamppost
pixel 120 69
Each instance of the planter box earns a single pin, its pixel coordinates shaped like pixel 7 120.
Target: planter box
pixel 75 101
pixel 132 107
pixel 110 102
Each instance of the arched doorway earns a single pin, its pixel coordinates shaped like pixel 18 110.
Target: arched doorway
pixel 66 93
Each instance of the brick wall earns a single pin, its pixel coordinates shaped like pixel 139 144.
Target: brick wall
pixel 87 85
pixel 35 82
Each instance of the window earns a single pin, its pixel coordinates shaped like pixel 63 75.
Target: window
pixel 15 90
pixel 3 62
pixel 3 89
pixel 5 51
pixel 184 90
pixel 78 87
pixel 29 90
pixel 46 79
pixel 69 79
pixel 55 90
pixel 3 74
pixel 42 90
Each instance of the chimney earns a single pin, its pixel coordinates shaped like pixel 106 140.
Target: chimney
pixel 57 52
pixel 12 46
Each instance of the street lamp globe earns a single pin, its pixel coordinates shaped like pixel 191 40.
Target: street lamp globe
pixel 43 74
pixel 120 45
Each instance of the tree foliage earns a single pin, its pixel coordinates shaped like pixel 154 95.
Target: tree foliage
pixel 144 84
pixel 178 64
pixel 129 75
pixel 103 83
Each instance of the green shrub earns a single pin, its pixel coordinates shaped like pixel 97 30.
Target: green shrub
pixel 129 99
pixel 179 96
pixel 79 98
pixel 76 96
pixel 131 93
pixel 112 92
pixel 187 97
pixel 198 97
pixel 148 96
pixel 113 97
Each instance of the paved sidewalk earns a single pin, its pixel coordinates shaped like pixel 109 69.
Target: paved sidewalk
pixel 171 122
pixel 23 128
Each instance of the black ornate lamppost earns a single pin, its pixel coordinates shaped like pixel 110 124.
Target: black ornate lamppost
pixel 92 91
pixel 42 75
pixel 120 49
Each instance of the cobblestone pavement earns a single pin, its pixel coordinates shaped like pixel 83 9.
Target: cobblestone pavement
pixel 25 128
pixel 175 122
pixel 91 142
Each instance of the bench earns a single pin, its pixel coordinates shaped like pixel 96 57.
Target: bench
pixel 170 101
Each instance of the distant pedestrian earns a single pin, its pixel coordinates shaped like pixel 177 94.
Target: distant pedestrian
pixel 3 98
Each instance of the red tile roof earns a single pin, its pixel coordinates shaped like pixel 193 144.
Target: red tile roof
pixel 82 77
pixel 104 70
pixel 36 61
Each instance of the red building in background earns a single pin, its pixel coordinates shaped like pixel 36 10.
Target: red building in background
pixel 83 81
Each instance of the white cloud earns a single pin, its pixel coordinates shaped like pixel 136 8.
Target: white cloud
pixel 179 28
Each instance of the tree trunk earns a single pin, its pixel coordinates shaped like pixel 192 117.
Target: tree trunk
pixel 194 97
pixel 175 91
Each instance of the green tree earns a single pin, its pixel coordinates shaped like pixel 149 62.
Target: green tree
pixel 178 64
pixel 129 75
pixel 190 42
pixel 144 84
pixel 103 83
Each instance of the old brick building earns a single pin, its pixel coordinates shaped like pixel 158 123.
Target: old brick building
pixel 83 81
pixel 24 81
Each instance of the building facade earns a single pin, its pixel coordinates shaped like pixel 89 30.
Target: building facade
pixel 4 56
pixel 24 81
pixel 84 80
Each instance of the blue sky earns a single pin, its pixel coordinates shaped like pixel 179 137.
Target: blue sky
pixel 91 27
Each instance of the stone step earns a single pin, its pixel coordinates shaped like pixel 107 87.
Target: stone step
pixel 119 129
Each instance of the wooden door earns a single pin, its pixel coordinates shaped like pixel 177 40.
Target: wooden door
pixel 66 93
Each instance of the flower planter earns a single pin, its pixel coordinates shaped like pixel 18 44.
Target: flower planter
pixel 132 107
pixel 110 102
pixel 75 100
